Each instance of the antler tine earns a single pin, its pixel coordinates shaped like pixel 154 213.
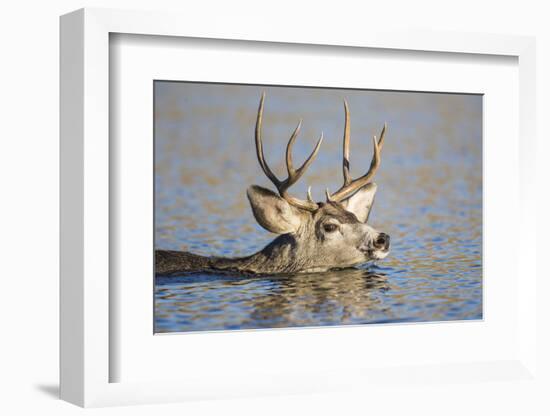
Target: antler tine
pixel 309 197
pixel 289 164
pixel 382 135
pixel 293 174
pixel 358 183
pixel 351 186
pixel 259 147
pixel 347 177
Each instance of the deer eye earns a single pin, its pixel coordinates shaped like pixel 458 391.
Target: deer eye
pixel 329 228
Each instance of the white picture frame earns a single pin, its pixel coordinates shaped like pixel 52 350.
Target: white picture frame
pixel 86 304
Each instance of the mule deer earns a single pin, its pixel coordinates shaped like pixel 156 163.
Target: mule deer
pixel 314 237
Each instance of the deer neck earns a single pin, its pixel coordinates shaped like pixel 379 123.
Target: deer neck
pixel 282 255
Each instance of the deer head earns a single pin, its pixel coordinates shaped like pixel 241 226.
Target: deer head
pixel 324 235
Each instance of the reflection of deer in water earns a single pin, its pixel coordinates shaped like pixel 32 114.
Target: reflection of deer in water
pixel 313 236
pixel 341 296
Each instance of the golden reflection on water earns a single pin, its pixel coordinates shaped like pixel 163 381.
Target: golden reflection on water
pixel 340 297
pixel 429 200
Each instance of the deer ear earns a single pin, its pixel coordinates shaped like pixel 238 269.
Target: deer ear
pixel 361 202
pixel 272 212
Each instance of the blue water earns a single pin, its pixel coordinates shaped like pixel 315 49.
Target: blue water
pixel 429 200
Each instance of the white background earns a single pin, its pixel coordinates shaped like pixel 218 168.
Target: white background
pixel 29 224
pixel 143 357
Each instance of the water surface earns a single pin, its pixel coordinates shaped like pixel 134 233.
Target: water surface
pixel 429 200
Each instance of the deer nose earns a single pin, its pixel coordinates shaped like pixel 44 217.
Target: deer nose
pixel 382 241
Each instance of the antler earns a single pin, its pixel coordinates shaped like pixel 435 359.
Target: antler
pixel 351 186
pixel 293 174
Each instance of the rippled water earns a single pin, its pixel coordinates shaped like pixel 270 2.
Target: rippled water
pixel 429 200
